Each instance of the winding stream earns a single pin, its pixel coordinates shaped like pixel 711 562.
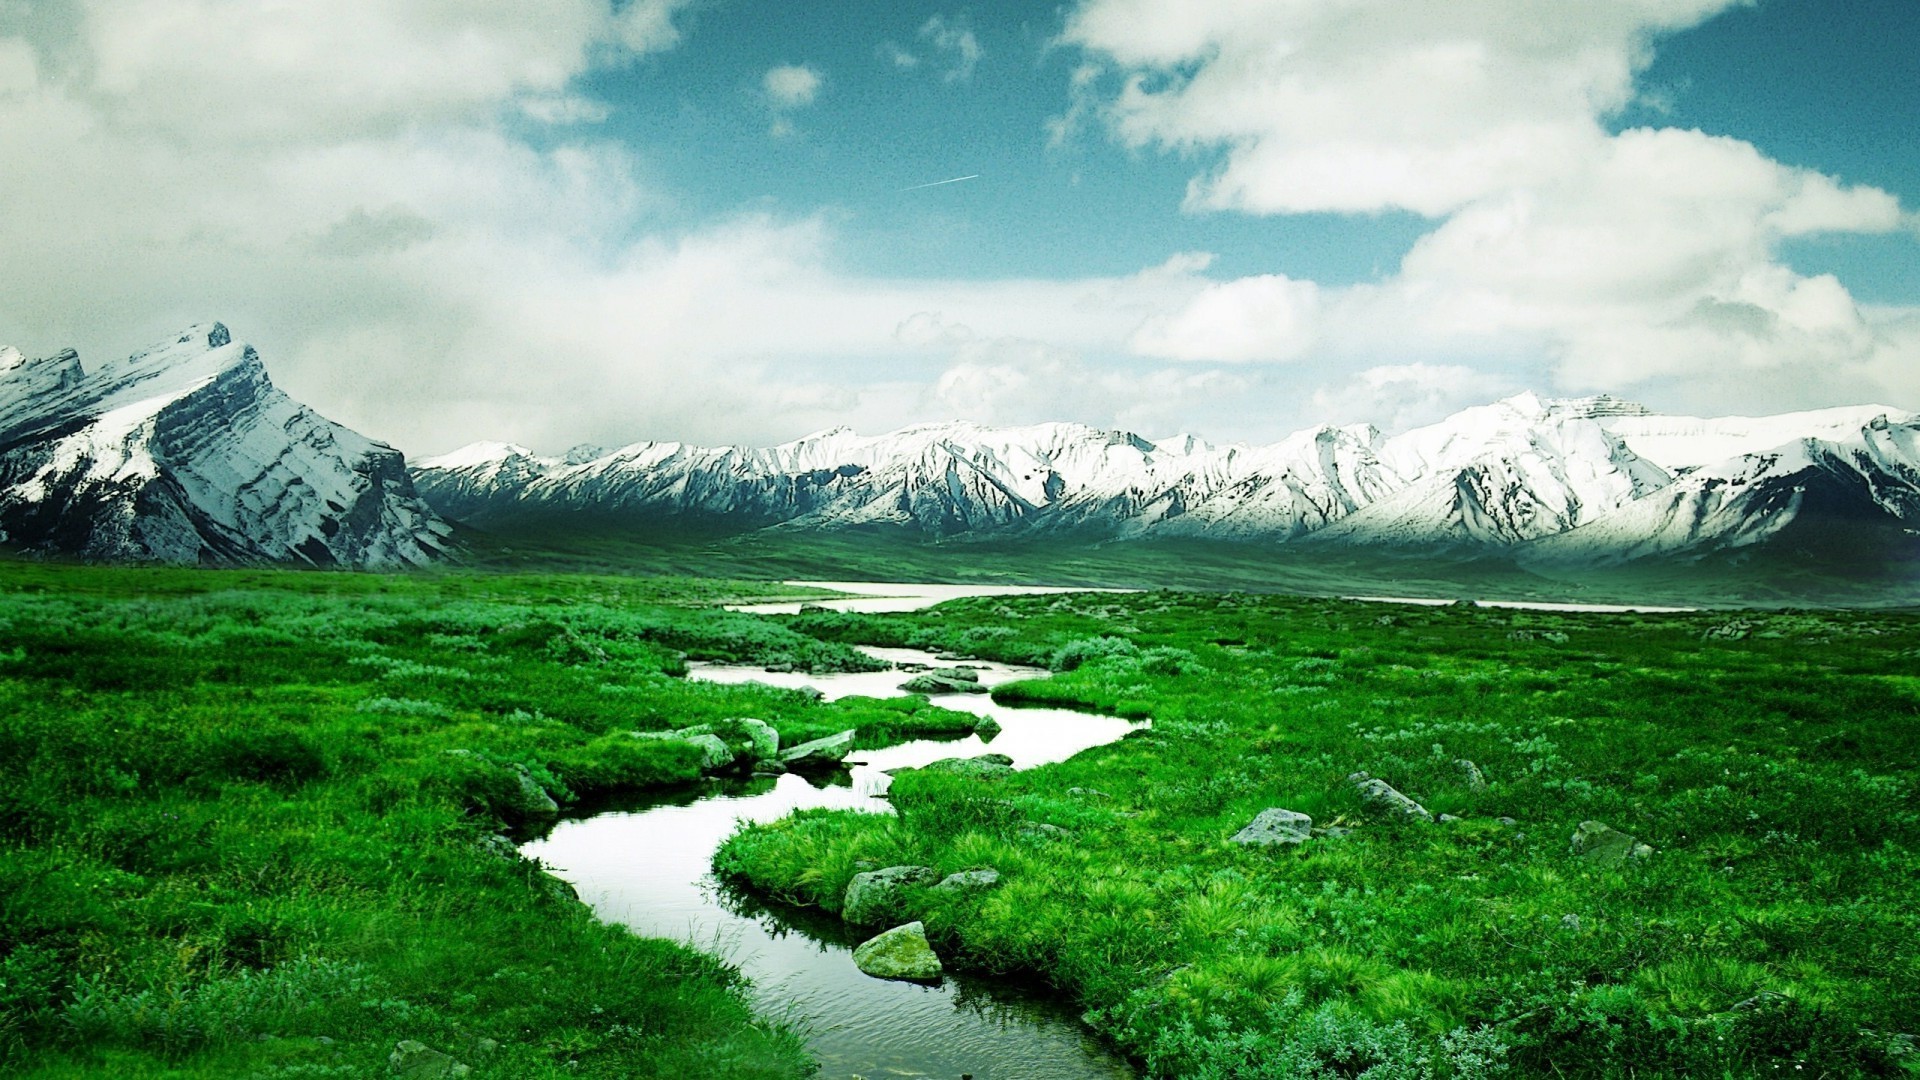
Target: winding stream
pixel 647 865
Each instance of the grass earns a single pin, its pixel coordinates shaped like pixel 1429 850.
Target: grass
pixel 249 823
pixel 1769 758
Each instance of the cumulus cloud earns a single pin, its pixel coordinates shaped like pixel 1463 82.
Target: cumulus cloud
pixel 1396 397
pixel 791 86
pixel 1648 257
pixel 950 43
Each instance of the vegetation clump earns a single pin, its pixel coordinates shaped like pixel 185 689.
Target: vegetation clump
pixel 1739 900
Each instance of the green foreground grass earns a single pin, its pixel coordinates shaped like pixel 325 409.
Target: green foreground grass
pixel 1769 759
pixel 233 841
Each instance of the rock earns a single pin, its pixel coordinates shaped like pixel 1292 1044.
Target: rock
pixel 900 953
pixel 1382 795
pixel 1601 843
pixel 1040 830
pixel 876 896
pixel 820 753
pixel 1087 793
pixel 986 727
pixel 969 881
pixel 498 846
pixel 1332 832
pixel 1507 821
pixel 1446 819
pixel 980 767
pixel 411 1058
pixel 530 800
pixel 949 681
pixel 714 751
pixel 1275 826
pixel 766 741
pixel 1476 780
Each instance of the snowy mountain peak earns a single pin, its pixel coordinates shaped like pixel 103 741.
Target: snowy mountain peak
pixel 187 452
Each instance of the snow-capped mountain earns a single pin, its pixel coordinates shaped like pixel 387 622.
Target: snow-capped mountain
pixel 1599 477
pixel 187 453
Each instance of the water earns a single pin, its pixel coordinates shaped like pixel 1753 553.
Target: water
pixel 646 865
pixel 875 597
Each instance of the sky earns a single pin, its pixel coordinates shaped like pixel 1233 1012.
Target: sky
pixel 717 221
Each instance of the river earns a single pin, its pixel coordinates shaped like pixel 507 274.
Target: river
pixel 647 865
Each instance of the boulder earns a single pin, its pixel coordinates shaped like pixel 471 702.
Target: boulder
pixel 980 767
pixel 1476 780
pixel 414 1059
pixel 969 881
pixel 714 751
pixel 1383 796
pixel 1600 843
pixel 820 753
pixel 766 741
pixel 900 953
pixel 1275 826
pixel 986 727
pixel 530 800
pixel 947 681
pixel 876 896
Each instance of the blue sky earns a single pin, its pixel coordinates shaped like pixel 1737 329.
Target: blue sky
pixel 609 220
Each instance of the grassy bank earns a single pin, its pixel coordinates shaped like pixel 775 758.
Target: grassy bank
pixel 1769 761
pixel 250 820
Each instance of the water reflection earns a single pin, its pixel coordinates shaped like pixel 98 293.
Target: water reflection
pixel 645 863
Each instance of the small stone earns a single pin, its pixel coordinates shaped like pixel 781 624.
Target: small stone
pixel 876 896
pixel 1601 843
pixel 1476 781
pixel 1383 795
pixel 1446 819
pixel 1507 821
pixel 900 953
pixel 1088 793
pixel 1332 832
pixel 766 741
pixel 969 881
pixel 1040 830
pixel 820 753
pixel 414 1059
pixel 1275 826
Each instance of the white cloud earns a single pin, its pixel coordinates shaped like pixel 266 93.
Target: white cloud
pixel 954 40
pixel 1648 258
pixel 1396 397
pixel 1267 317
pixel 791 86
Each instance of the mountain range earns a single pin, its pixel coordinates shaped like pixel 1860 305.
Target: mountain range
pixel 1590 479
pixel 186 453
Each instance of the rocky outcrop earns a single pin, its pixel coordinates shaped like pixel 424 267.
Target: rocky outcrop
pixel 900 953
pixel 1383 797
pixel 1597 842
pixel 824 753
pixel 967 881
pixel 1275 826
pixel 187 453
pixel 947 681
pixel 879 896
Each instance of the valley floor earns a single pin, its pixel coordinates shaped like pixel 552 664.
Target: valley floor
pixel 253 825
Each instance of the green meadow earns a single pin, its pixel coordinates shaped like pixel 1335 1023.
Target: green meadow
pixel 259 824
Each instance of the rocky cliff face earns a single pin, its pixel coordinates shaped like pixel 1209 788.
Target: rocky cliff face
pixel 1591 478
pixel 187 453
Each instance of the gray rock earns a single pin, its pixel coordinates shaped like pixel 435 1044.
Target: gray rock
pixel 1040 830
pixel 1383 796
pixel 950 681
pixel 1600 843
pixel 980 767
pixel 969 881
pixel 1275 826
pixel 530 799
pixel 498 846
pixel 766 741
pixel 1507 821
pixel 1446 819
pixel 986 727
pixel 900 953
pixel 1332 832
pixel 1087 793
pixel 877 896
pixel 714 751
pixel 1476 780
pixel 414 1059
pixel 820 753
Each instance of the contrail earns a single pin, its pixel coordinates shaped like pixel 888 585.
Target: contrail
pixel 937 183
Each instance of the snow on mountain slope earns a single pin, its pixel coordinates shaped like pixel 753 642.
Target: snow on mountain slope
pixel 1679 443
pixel 1870 475
pixel 187 453
pixel 1501 474
pixel 1513 473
